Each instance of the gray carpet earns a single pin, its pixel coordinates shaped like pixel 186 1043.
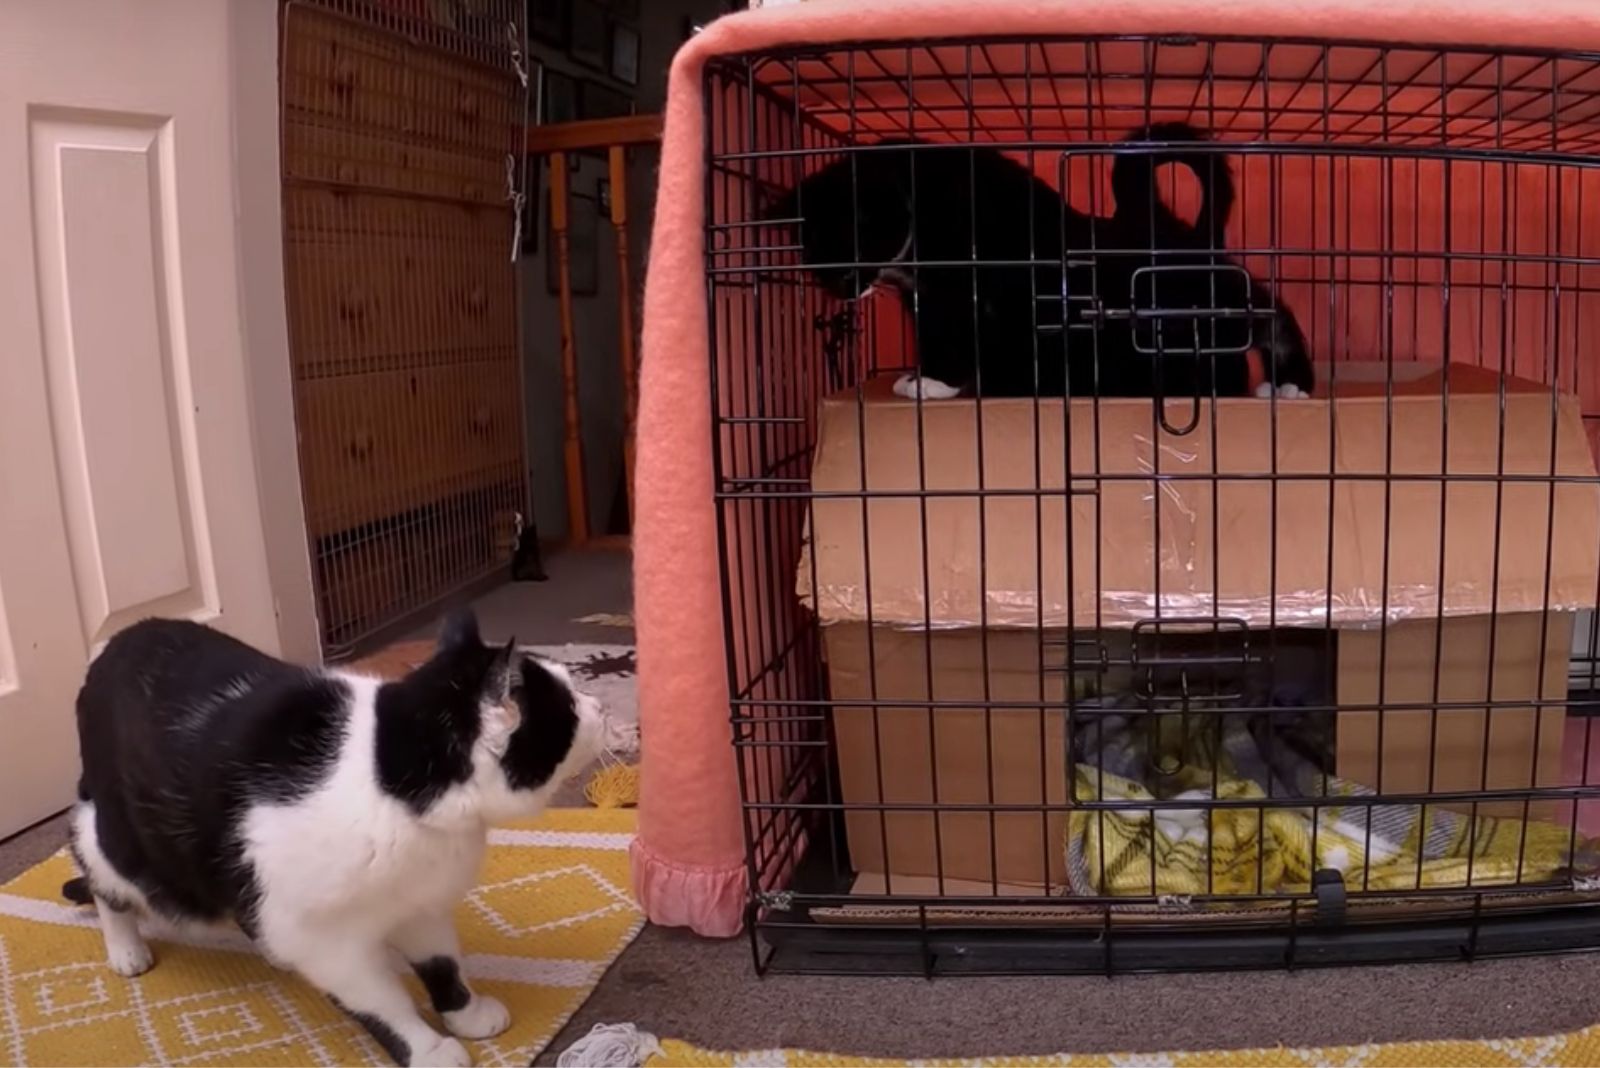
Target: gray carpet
pixel 21 852
pixel 581 585
pixel 706 992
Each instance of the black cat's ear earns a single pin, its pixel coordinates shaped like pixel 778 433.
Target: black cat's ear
pixel 460 630
pixel 497 680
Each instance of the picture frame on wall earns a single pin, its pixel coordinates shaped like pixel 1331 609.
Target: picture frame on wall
pixel 589 35
pixel 625 54
pixel 583 247
pixel 532 204
pixel 558 97
pixel 548 21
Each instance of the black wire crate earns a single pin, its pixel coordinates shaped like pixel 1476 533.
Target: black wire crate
pixel 1157 500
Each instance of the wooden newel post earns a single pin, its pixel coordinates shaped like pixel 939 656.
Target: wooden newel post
pixel 577 491
pixel 630 378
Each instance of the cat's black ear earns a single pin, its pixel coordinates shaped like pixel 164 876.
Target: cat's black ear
pixel 497 680
pixel 460 630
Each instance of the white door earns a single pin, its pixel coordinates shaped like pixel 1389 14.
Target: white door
pixel 127 481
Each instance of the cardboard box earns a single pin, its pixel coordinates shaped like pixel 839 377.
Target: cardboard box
pixel 1463 748
pixel 897 753
pixel 1188 525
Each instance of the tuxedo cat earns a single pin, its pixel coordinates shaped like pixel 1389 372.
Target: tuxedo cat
pixel 335 817
pixel 1003 275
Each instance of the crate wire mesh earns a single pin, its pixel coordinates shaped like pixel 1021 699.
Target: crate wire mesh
pixel 401 139
pixel 1415 208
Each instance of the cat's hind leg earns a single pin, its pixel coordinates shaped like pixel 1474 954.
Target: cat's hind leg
pixel 116 899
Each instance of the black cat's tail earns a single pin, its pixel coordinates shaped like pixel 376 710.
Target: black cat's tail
pixel 1133 179
pixel 77 891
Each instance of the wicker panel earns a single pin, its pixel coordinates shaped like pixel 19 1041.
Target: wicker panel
pixel 397 128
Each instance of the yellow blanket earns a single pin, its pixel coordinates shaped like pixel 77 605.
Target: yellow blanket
pixel 1274 847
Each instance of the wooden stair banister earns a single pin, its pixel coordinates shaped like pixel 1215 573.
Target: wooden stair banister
pixel 630 377
pixel 577 492
pixel 615 137
pixel 625 132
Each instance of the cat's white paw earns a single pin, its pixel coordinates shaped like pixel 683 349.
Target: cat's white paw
pixel 1286 391
pixel 272 959
pixel 484 1017
pixel 914 386
pixel 129 958
pixel 446 1053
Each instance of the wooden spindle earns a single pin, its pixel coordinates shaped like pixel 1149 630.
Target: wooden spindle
pixel 577 492
pixel 630 379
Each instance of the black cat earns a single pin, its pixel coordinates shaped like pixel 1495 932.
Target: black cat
pixel 1016 293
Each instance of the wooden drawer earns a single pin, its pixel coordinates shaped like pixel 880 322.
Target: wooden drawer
pixel 463 108
pixel 335 70
pixel 375 575
pixel 336 156
pixel 382 283
pixel 376 445
pixel 364 109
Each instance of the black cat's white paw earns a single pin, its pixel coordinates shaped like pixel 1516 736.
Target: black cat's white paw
pixel 913 387
pixel 1286 391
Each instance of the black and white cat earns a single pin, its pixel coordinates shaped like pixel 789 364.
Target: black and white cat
pixel 336 818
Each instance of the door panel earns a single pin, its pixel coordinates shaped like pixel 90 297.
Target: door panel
pixel 127 477
pixel 117 377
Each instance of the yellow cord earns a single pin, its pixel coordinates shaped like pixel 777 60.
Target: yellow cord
pixel 616 786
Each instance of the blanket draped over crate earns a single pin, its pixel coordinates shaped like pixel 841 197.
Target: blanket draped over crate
pixel 689 863
pixel 1254 845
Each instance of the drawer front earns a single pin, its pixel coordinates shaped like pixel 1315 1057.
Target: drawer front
pixel 365 109
pixel 380 444
pixel 372 576
pixel 380 282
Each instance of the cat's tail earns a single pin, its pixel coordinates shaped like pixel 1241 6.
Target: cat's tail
pixel 1133 179
pixel 77 890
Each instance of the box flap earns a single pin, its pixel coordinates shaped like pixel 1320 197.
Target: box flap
pixel 1196 523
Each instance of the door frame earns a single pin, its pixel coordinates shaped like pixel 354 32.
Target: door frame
pixel 253 45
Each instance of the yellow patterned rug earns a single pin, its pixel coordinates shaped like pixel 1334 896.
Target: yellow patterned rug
pixel 551 914
pixel 1580 1049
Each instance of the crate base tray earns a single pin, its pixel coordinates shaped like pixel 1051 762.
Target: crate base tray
pixel 1027 908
